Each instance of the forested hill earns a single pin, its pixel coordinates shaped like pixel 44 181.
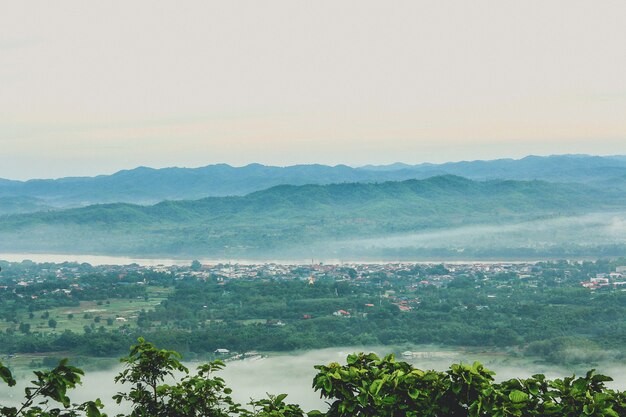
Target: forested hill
pixel 289 216
pixel 148 186
pixel 19 204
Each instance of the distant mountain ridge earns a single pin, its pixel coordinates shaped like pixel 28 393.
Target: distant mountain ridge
pixel 288 217
pixel 144 185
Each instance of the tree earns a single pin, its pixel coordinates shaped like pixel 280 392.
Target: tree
pixel 273 406
pixel 199 395
pixel 196 265
pixel 25 328
pixel 52 323
pixel 146 368
pixel 50 386
pixel 202 395
pixel 367 386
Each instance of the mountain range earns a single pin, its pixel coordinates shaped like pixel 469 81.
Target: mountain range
pixel 300 219
pixel 149 186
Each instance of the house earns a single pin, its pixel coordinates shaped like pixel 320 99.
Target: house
pixel 341 313
pixel 221 351
pixel 600 281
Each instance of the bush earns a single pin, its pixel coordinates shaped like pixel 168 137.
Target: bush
pixel 367 386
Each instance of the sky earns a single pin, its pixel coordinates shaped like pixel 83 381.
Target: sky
pixel 90 88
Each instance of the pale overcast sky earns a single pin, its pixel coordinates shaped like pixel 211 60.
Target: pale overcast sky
pixel 93 87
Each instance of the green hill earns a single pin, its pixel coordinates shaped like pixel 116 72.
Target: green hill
pixel 144 185
pixel 21 204
pixel 286 217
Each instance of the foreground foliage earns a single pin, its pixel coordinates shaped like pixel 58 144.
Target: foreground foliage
pixel 370 386
pixel 160 385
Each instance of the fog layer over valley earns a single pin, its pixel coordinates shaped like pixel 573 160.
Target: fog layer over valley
pixel 293 374
pixel 590 235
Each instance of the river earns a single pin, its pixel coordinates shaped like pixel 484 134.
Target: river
pixel 125 260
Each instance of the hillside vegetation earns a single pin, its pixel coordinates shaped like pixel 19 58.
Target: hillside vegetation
pixel 148 186
pixel 21 204
pixel 291 217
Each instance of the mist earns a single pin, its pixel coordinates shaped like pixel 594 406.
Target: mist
pixel 588 234
pixel 293 374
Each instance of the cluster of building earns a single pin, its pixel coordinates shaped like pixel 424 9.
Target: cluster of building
pixel 381 274
pixel 615 279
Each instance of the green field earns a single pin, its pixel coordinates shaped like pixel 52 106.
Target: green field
pixel 86 313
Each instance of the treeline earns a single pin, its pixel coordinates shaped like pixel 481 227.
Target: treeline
pixel 546 315
pixel 551 316
pixel 367 386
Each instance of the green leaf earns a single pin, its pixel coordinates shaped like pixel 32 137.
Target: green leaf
pixel 92 410
pixel 6 375
pixel 376 386
pixel 518 396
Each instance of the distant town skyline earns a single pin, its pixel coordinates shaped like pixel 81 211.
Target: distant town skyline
pixel 93 88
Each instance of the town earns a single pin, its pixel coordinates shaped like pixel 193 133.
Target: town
pixel 15 277
pixel 538 308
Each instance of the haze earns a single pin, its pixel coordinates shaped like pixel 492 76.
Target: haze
pixel 91 88
pixel 293 373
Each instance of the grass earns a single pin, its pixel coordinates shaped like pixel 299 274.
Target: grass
pixel 87 311
pixel 252 321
